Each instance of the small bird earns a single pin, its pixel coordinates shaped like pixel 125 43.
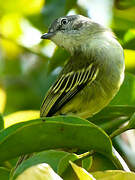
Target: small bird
pixel 92 75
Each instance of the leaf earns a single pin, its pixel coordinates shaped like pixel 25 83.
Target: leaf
pixel 64 162
pixel 20 7
pixel 4 173
pixel 126 95
pixel 112 112
pixel 39 172
pixel 129 58
pixel 68 119
pixel 123 20
pixel 11 27
pixel 70 5
pixel 51 157
pixel 124 4
pixel 112 117
pixel 114 175
pixel 38 135
pixel 87 163
pixel 20 116
pixel 129 35
pixel 128 45
pixel 131 124
pixel 81 173
pixel 101 163
pixel 2 100
pixel 49 7
pixel 1 122
pixel 61 9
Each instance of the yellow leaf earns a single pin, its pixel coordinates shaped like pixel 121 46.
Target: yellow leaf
pixel 128 14
pixel 20 116
pixel 129 58
pixel 2 100
pixel 10 49
pixel 21 6
pixel 81 173
pixel 11 25
pixel 39 172
pixel 114 175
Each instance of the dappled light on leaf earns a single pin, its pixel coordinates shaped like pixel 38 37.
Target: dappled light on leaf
pixel 39 172
pixel 10 49
pixel 51 157
pixel 2 100
pixel 20 116
pixel 129 58
pixel 22 6
pixel 114 175
pixel 11 25
pixel 125 19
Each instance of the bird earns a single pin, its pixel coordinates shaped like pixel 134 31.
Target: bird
pixel 93 74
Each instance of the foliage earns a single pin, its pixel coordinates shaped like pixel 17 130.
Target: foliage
pixel 62 147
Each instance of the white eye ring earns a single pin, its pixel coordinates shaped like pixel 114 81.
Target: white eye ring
pixel 64 21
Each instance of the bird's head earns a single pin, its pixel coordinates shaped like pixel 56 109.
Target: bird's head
pixel 72 31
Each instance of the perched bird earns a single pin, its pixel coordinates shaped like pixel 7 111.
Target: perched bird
pixel 93 74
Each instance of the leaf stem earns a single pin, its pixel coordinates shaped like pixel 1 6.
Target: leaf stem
pixel 85 155
pixel 119 131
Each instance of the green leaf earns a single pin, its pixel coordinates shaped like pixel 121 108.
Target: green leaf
pixel 112 112
pixel 112 117
pixel 49 7
pixel 67 119
pixel 101 163
pixel 114 175
pixel 4 173
pixel 38 135
pixel 81 173
pixel 51 157
pixel 1 122
pixel 70 5
pixel 87 163
pixel 123 20
pixel 124 4
pixel 131 124
pixel 126 95
pixel 64 162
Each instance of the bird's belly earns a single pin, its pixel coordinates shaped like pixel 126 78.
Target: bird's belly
pixel 90 100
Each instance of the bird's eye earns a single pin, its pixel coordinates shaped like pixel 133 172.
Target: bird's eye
pixel 64 21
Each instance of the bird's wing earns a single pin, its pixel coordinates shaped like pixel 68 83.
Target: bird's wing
pixel 67 86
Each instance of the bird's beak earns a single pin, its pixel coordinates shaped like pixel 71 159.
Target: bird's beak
pixel 47 35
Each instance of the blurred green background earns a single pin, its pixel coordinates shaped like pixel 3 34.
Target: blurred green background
pixel 28 65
